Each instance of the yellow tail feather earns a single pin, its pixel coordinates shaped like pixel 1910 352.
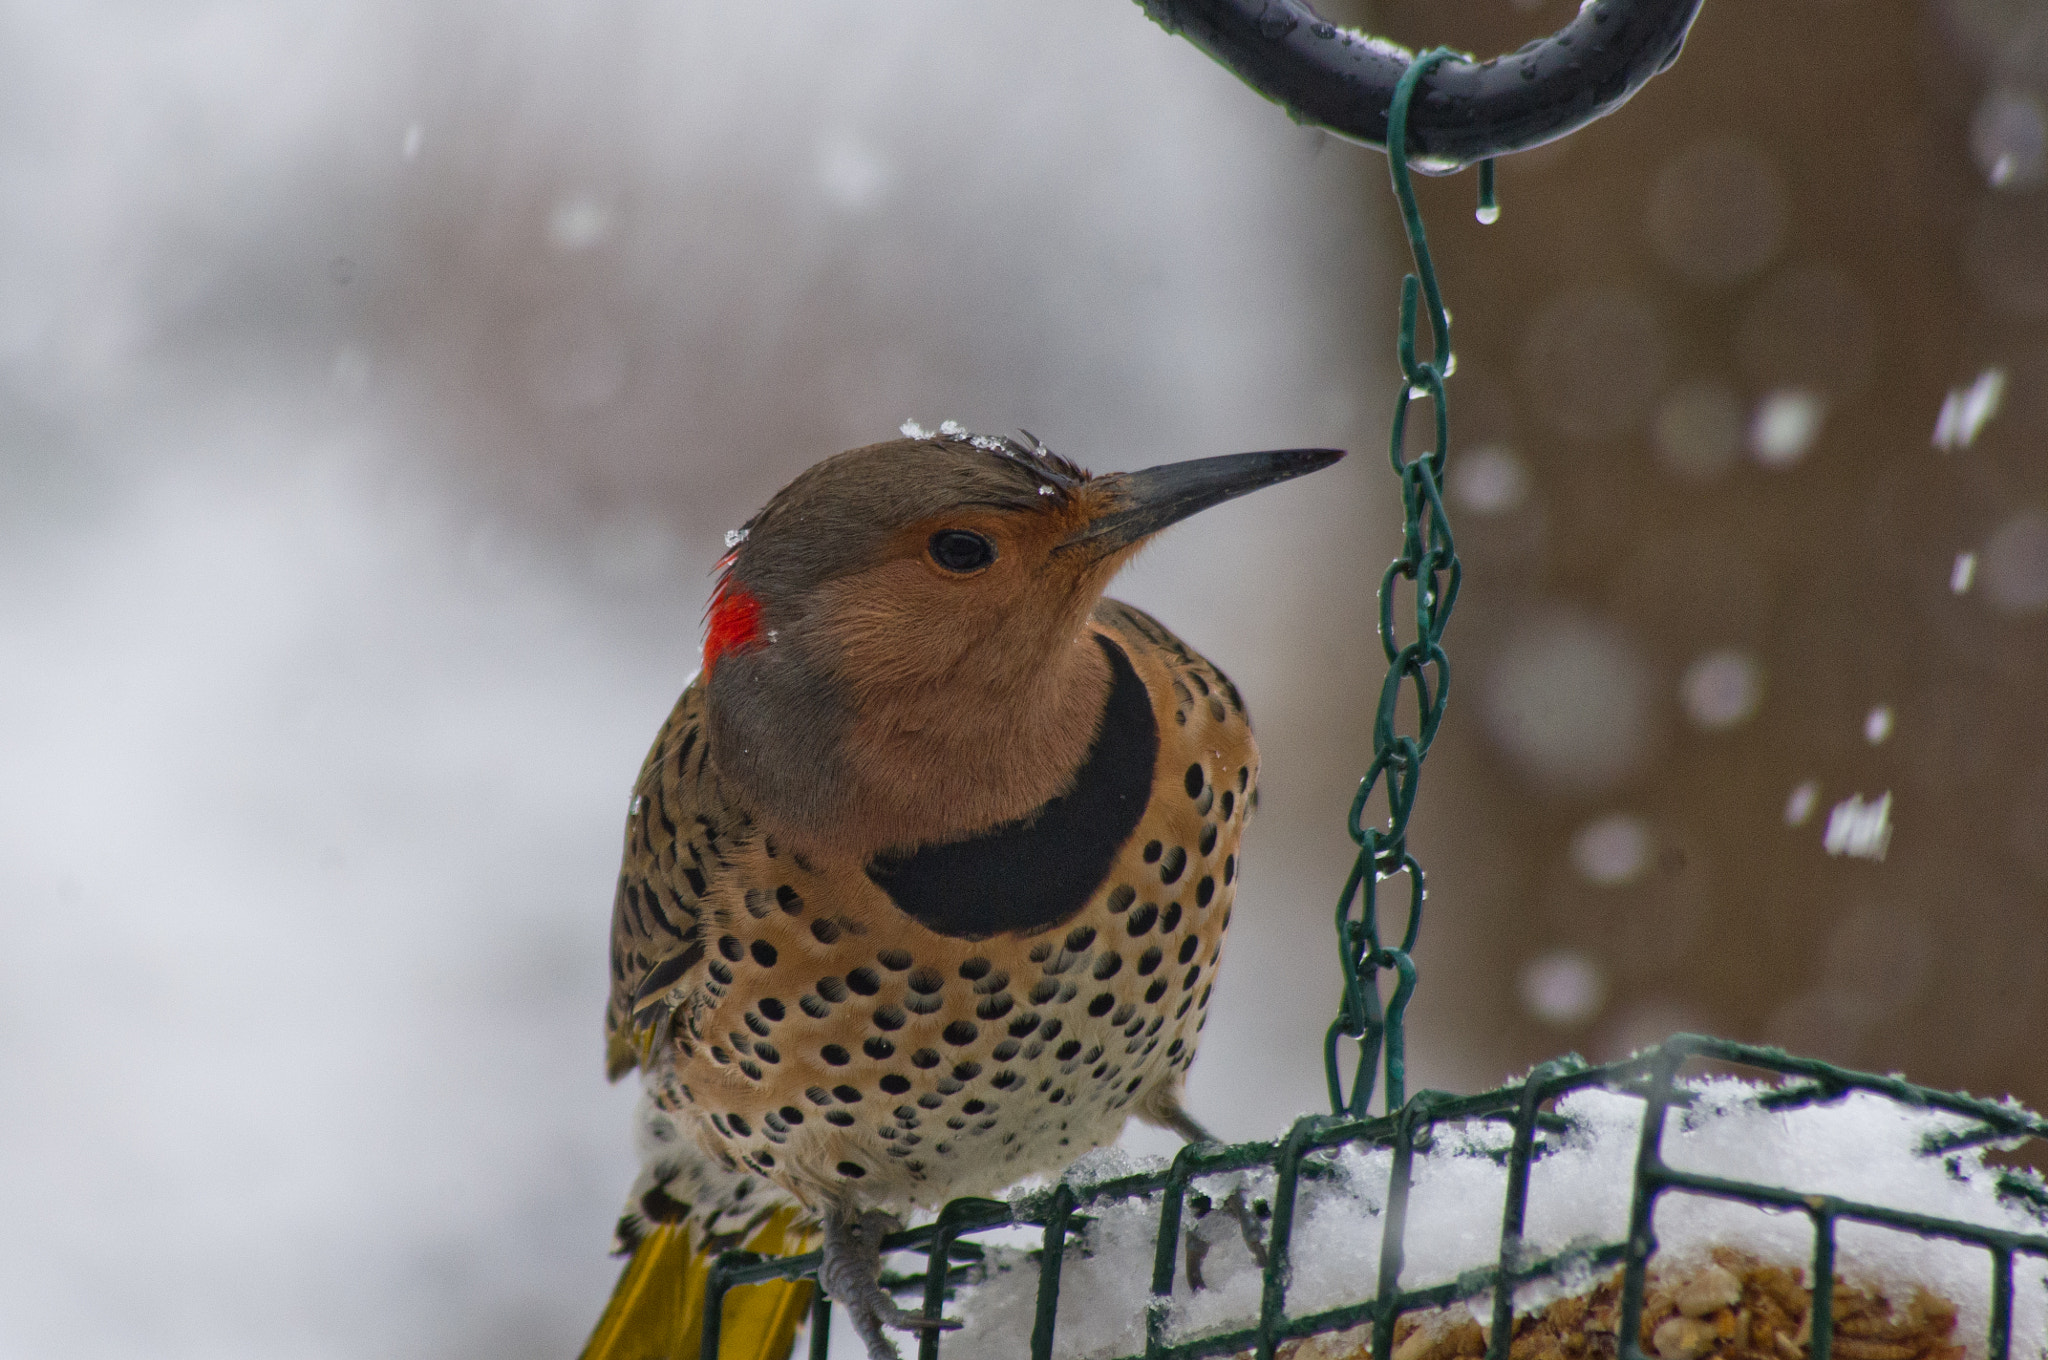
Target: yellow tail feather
pixel 657 1310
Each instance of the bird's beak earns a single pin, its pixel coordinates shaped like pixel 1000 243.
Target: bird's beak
pixel 1137 504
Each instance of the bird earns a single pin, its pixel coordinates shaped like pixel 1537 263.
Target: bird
pixel 927 875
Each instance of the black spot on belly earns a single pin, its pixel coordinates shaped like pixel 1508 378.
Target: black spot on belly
pixel 1042 868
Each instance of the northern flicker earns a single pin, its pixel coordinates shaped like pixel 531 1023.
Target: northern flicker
pixel 927 875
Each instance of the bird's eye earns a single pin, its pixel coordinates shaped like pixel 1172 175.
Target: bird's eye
pixel 961 550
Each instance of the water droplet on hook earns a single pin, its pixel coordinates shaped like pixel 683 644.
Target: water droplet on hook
pixel 1488 213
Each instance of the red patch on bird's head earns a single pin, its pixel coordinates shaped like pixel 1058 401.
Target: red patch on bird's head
pixel 733 620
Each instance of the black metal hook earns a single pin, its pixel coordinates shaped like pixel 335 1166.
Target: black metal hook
pixel 1466 111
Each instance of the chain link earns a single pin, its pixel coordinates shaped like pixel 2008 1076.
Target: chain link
pixel 1429 564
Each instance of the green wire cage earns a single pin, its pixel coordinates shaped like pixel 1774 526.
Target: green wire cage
pixel 954 1259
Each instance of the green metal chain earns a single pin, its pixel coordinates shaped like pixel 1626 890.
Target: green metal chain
pixel 1429 563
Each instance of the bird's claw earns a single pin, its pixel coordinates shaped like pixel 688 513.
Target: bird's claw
pixel 851 1274
pixel 904 1320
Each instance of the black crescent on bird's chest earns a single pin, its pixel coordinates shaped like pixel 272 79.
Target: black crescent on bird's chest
pixel 1042 868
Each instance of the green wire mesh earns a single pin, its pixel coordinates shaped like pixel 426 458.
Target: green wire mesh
pixel 1428 564
pixel 952 1257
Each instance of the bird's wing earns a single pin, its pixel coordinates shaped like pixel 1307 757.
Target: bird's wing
pixel 677 830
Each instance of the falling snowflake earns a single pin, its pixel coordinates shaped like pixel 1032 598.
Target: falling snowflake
pixel 1858 829
pixel 1968 409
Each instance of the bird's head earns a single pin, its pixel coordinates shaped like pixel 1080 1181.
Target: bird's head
pixel 895 651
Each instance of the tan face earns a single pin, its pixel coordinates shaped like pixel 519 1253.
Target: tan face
pixel 976 598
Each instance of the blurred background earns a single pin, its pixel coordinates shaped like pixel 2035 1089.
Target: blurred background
pixel 377 382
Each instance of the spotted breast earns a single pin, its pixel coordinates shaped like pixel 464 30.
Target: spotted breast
pixel 943 1023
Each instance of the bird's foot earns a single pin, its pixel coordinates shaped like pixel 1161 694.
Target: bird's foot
pixel 1203 1234
pixel 1248 1225
pixel 851 1274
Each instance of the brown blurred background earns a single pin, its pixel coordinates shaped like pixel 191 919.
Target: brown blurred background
pixel 377 381
pixel 1714 585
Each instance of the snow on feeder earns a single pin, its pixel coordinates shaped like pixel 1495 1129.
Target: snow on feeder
pixel 1692 1215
